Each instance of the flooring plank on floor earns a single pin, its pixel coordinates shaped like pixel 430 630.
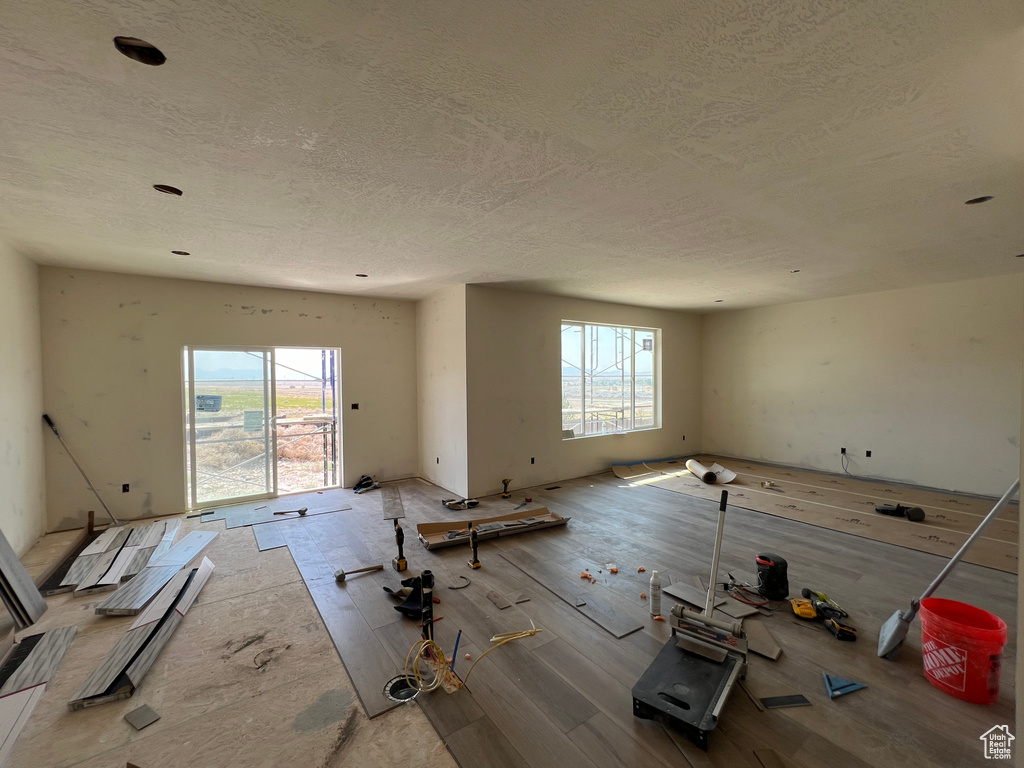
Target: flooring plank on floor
pixel 20 594
pixel 367 662
pixel 597 606
pixel 131 598
pixel 268 537
pixel 480 744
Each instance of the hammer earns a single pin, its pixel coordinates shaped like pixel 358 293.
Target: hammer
pixel 302 512
pixel 341 573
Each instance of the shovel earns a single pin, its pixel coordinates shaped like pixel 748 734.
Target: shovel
pixel 894 631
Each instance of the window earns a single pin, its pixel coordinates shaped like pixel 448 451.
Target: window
pixel 609 379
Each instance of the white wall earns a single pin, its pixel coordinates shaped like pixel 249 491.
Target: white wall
pixel 22 505
pixel 441 396
pixel 515 389
pixel 112 378
pixel 928 379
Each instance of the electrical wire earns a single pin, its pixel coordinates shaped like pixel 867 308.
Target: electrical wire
pixel 844 460
pixel 500 640
pixel 413 675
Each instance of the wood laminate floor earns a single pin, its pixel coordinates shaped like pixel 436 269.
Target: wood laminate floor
pixel 563 697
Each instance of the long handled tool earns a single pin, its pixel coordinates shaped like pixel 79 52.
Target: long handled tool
pixel 894 631
pixel 51 425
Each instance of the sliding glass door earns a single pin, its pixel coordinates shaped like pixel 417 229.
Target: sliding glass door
pixel 259 422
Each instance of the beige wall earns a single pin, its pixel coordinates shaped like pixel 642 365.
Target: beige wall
pixel 112 378
pixel 515 389
pixel 928 379
pixel 22 503
pixel 441 396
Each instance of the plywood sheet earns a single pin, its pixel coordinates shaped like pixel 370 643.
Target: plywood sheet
pixel 15 710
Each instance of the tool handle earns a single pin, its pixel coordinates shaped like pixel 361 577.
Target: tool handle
pixel 50 424
pixel 1000 505
pixel 710 605
pixel 368 568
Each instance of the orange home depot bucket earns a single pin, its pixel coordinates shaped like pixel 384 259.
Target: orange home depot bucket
pixel 963 649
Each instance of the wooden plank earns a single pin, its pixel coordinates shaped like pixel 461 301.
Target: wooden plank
pixel 268 537
pixel 181 554
pixel 391 501
pixel 20 593
pixel 98 683
pixel 120 565
pixel 80 569
pixel 137 670
pixel 760 640
pixel 158 607
pixel 105 541
pixel 689 594
pixel 15 710
pixel 499 601
pixel 130 598
pixel 480 744
pixel 78 544
pixel 91 582
pixel 367 661
pixel 202 575
pixel 769 758
pixel 598 607
pixel 167 539
pixel 42 662
pixel 139 561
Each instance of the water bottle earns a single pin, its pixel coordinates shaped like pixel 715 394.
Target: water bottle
pixel 654 594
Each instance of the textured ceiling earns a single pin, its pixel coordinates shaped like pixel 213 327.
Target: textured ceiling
pixel 659 153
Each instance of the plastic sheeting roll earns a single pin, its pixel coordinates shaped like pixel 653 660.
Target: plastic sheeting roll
pixel 713 474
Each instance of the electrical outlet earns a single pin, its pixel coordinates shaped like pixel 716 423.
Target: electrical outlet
pixel 684 438
pixel 867 454
pixel 842 450
pixel 438 459
pixel 355 406
pixel 531 459
pixel 124 487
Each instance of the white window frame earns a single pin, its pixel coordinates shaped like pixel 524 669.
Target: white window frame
pixel 655 376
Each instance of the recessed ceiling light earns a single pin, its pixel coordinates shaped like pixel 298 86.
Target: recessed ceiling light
pixel 167 189
pixel 976 200
pixel 181 253
pixel 140 50
pixel 362 275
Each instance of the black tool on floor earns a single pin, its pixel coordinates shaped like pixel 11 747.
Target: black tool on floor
pixel 399 563
pixel 474 541
pixel 427 604
pixel 88 482
pixel 914 514
pixel 778 702
pixel 772 576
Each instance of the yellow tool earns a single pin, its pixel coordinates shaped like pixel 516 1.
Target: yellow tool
pixel 506 493
pixel 804 608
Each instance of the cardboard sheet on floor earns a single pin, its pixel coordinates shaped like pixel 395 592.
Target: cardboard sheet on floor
pixel 847 505
pixel 447 534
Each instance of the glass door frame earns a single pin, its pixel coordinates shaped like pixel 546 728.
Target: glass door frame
pixel 269 428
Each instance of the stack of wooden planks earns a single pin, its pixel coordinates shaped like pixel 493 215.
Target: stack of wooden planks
pixel 132 597
pixel 24 687
pixel 19 593
pixel 116 555
pixel 123 669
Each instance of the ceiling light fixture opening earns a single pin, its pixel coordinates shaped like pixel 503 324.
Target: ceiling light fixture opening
pixel 976 200
pixel 362 275
pixel 140 50
pixel 167 189
pixel 181 253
